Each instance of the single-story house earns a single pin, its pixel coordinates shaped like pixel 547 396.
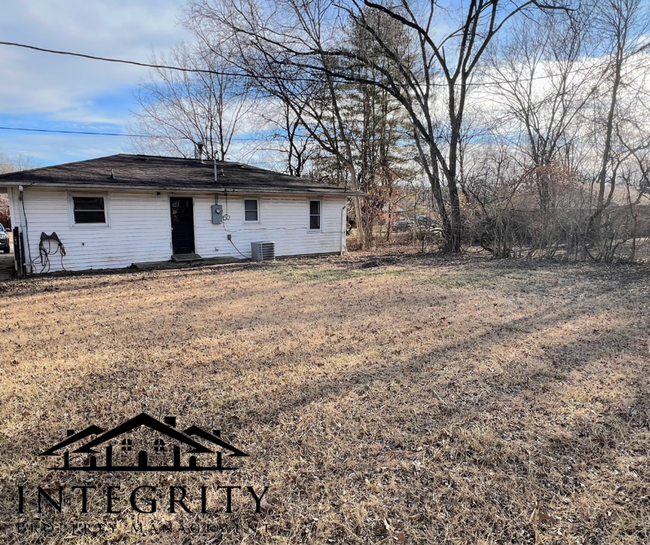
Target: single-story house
pixel 114 211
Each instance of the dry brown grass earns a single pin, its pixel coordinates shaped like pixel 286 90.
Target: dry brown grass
pixel 416 400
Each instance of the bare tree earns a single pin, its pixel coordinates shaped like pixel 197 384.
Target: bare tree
pixel 314 98
pixel 308 34
pixel 178 109
pixel 13 164
pixel 544 75
pixel 622 26
pixel 19 162
pixel 294 144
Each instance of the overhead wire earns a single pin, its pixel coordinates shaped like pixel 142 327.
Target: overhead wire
pixel 241 75
pixel 209 71
pixel 61 131
pixel 120 61
pixel 97 133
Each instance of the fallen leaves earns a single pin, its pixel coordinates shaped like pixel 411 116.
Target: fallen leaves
pixel 414 401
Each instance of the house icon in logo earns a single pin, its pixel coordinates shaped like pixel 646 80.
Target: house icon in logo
pixel 159 447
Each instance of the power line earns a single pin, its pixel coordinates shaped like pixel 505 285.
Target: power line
pixel 148 65
pixel 90 133
pixel 76 132
pixel 257 76
pixel 122 61
pixel 260 139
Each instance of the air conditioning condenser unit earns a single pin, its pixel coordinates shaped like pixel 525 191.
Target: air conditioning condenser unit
pixel 263 251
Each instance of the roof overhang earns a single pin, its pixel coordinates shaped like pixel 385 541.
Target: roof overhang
pixel 325 191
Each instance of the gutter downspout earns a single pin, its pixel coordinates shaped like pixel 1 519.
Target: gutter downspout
pixel 15 220
pixel 23 229
pixel 344 238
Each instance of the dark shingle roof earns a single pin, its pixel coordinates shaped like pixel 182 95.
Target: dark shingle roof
pixel 168 173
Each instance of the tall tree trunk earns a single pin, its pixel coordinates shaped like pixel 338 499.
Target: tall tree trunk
pixel 601 201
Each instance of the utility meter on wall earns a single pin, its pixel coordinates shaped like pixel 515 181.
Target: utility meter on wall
pixel 217 213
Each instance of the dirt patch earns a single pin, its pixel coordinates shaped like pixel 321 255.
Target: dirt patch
pixel 415 400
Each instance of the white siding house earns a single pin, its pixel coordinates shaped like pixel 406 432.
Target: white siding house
pixel 124 209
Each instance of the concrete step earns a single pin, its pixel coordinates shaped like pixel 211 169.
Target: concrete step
pixel 178 264
pixel 184 258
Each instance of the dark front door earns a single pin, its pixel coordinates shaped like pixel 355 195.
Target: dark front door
pixel 182 225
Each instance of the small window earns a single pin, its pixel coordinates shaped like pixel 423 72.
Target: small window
pixel 250 210
pixel 127 444
pixel 159 445
pixel 314 214
pixel 89 210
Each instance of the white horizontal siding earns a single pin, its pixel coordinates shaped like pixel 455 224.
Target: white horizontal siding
pixel 283 220
pixel 139 227
pixel 138 230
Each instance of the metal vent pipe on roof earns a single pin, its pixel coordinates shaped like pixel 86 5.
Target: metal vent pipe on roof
pixel 199 151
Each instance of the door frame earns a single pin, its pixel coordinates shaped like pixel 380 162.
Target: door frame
pixel 171 223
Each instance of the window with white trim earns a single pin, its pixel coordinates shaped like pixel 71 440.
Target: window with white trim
pixel 89 209
pixel 251 210
pixel 314 215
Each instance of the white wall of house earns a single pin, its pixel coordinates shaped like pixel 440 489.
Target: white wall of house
pixel 282 219
pixel 138 227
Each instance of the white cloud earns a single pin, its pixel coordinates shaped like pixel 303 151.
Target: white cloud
pixel 67 88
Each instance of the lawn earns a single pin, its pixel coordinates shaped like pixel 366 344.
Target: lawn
pixel 382 399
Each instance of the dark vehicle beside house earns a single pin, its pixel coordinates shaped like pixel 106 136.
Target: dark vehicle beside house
pixel 4 240
pixel 426 222
pixel 402 226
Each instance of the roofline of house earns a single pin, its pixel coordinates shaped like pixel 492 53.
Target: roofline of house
pixel 217 189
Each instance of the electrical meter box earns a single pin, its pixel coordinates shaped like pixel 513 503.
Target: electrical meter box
pixel 217 213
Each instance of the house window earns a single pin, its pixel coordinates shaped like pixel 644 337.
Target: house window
pixel 159 445
pixel 314 214
pixel 89 209
pixel 127 444
pixel 251 212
